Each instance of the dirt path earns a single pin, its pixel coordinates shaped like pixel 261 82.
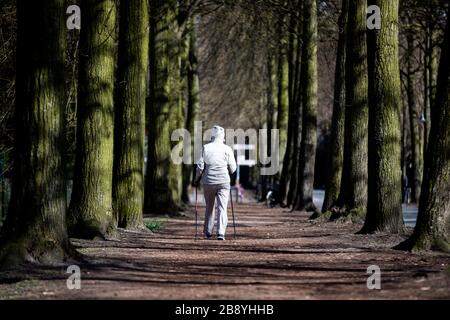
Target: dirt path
pixel 277 255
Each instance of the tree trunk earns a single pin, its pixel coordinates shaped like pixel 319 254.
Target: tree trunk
pixel 404 124
pixel 415 127
pixel 293 183
pixel 293 19
pixel 193 103
pixel 161 185
pixel 432 230
pixel 273 98
pixel 384 207
pixel 338 120
pixel 289 162
pixel 90 213
pixel 283 90
pixel 35 228
pixel 271 93
pixel 426 95
pixel 128 180
pixel 179 94
pixel 178 56
pixel 430 74
pixel 309 117
pixel 296 114
pixel 352 198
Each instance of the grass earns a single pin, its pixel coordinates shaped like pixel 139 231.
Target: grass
pixel 154 224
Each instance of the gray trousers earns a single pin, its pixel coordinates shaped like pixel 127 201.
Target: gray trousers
pixel 216 193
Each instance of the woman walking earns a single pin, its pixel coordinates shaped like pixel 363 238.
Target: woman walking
pixel 214 168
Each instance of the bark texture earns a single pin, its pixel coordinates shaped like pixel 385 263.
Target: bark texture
pixel 384 207
pixel 287 178
pixel 193 102
pixel 432 230
pixel 309 116
pixel 35 228
pixel 416 129
pixel 352 198
pixel 162 189
pixel 128 180
pixel 90 213
pixel 283 89
pixel 337 123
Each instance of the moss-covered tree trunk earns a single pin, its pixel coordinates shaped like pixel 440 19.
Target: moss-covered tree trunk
pixel 272 94
pixel 178 84
pixel 352 198
pixel 426 84
pixel 293 60
pixel 287 158
pixel 193 102
pixel 283 89
pixel 286 178
pixel 432 230
pixel 296 113
pixel 179 92
pixel 35 228
pixel 162 180
pixel 292 42
pixel 293 172
pixel 414 123
pixel 128 180
pixel 384 204
pixel 271 115
pixel 90 213
pixel 430 73
pixel 309 116
pixel 337 123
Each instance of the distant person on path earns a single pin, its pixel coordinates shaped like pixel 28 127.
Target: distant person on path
pixel 214 168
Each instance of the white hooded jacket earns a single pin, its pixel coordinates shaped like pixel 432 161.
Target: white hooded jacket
pixel 217 161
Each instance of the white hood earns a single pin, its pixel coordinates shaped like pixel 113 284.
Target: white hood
pixel 218 133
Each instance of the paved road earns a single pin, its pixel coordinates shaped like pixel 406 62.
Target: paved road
pixel 409 211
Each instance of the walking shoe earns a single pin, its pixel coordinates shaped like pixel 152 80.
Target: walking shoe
pixel 208 236
pixel 220 237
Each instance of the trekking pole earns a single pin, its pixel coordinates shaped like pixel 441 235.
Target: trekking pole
pixel 232 211
pixel 196 215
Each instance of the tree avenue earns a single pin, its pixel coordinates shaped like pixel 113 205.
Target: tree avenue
pixel 357 91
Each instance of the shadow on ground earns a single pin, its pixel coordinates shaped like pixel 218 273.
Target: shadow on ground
pixel 277 255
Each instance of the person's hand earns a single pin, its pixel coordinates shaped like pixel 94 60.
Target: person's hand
pixel 196 183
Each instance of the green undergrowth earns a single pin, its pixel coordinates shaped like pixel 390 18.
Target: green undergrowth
pixel 154 224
